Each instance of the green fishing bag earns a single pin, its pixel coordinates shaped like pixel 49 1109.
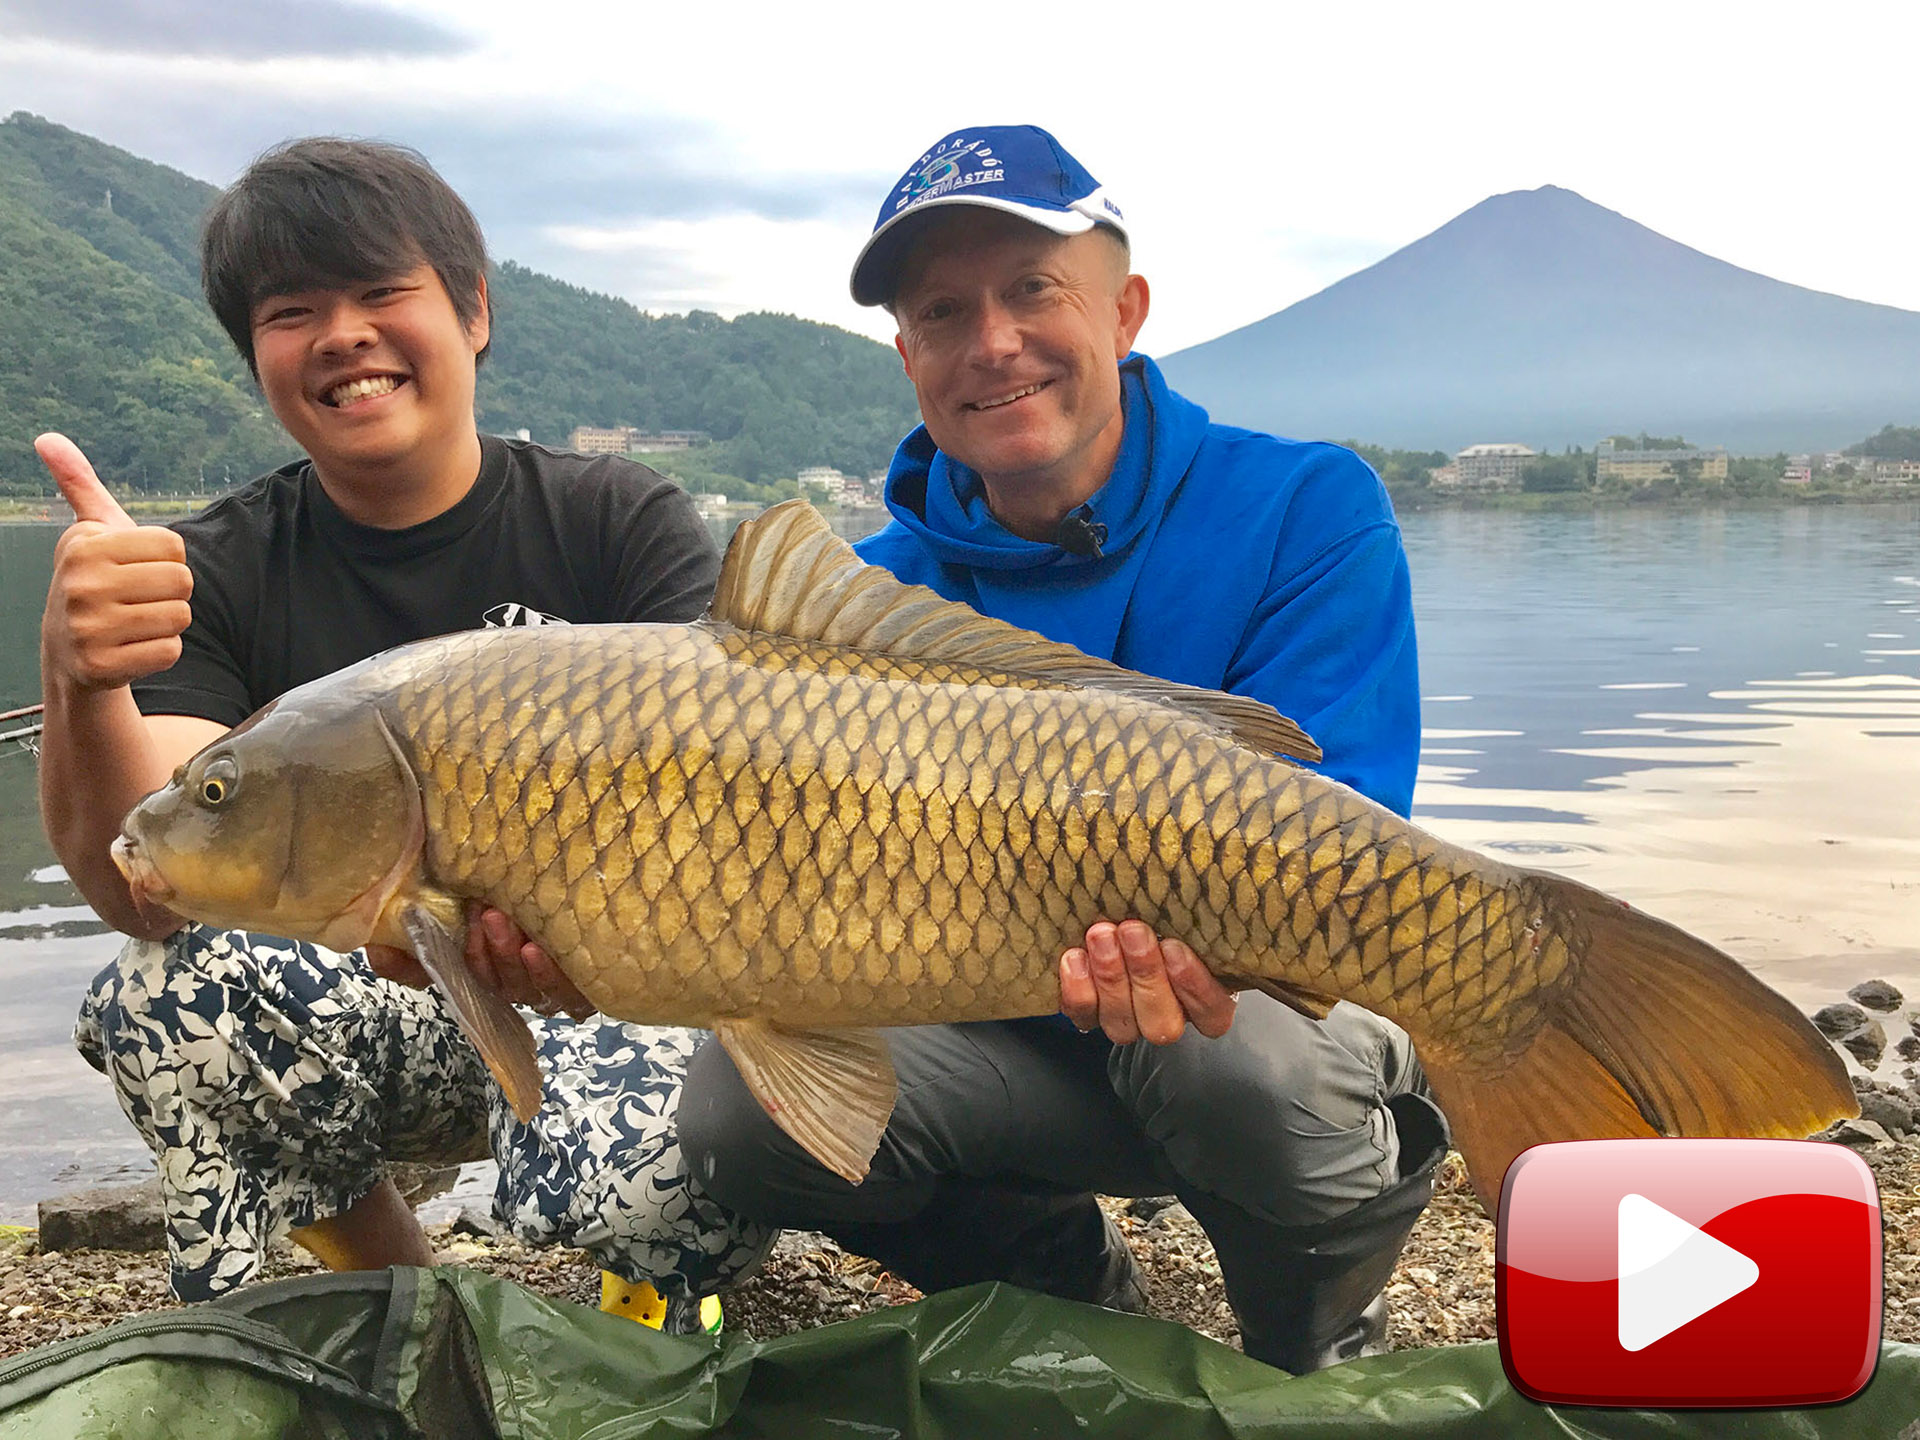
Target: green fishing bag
pixel 452 1354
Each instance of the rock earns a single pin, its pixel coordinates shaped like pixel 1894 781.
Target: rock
pixel 1866 1044
pixel 1145 1207
pixel 115 1217
pixel 1836 1021
pixel 1875 995
pixel 472 1220
pixel 1889 1111
pixel 418 1184
pixel 1177 1221
pixel 1853 1132
pixel 1907 1047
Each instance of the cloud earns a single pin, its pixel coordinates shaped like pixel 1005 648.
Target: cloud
pixel 253 30
pixel 665 210
pixel 521 161
pixel 727 263
pixel 548 169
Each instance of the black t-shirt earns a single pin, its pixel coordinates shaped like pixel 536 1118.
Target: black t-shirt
pixel 286 588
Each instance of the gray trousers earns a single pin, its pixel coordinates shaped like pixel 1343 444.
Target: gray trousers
pixel 1003 1131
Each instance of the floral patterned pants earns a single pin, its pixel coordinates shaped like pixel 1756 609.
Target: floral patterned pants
pixel 274 1079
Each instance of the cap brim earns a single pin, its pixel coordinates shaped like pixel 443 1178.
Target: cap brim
pixel 873 269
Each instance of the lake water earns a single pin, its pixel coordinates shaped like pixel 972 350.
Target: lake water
pixel 1713 715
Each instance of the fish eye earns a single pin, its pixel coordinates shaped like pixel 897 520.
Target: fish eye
pixel 219 780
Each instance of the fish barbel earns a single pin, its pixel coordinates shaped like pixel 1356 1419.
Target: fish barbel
pixel 841 802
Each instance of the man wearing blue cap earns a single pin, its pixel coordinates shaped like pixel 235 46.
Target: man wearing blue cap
pixel 1058 484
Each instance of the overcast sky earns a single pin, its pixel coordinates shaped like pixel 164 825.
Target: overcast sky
pixel 732 156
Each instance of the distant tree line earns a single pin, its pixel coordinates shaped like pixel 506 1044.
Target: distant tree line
pixel 1892 443
pixel 1400 469
pixel 776 392
pixel 1644 441
pixel 1408 472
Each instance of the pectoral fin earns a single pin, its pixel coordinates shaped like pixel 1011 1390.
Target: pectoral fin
pixel 1309 1003
pixel 495 1027
pixel 831 1090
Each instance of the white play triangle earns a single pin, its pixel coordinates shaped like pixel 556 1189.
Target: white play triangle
pixel 1671 1272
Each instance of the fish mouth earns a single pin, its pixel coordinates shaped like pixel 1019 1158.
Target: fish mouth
pixel 142 875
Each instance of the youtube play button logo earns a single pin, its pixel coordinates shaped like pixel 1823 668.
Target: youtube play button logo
pixel 1670 1272
pixel 1689 1272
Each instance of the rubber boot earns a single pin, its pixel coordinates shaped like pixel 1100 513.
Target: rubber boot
pixel 1308 1297
pixel 1059 1244
pixel 640 1302
pixel 1122 1286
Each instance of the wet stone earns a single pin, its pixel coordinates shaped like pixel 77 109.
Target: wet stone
pixel 1875 995
pixel 1838 1021
pixel 1889 1111
pixel 1854 1133
pixel 1866 1044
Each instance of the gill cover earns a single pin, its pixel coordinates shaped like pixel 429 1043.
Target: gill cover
pixel 303 822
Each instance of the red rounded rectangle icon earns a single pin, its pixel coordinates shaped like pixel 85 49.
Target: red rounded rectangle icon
pixel 1655 1273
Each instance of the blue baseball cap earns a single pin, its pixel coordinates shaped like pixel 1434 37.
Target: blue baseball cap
pixel 1020 169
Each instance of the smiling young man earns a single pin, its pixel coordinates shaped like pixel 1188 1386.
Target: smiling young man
pixel 1056 482
pixel 274 1080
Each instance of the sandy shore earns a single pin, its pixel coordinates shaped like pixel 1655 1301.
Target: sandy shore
pixel 1442 1293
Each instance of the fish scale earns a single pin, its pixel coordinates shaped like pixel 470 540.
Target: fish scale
pixel 913 840
pixel 842 803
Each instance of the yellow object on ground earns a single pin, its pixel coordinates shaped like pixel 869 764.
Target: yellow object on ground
pixel 640 1301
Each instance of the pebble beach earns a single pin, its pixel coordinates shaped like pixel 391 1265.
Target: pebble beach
pixel 1441 1294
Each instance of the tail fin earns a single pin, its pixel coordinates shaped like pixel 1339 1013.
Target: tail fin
pixel 1653 1033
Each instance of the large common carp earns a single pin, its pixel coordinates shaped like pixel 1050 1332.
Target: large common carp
pixel 841 802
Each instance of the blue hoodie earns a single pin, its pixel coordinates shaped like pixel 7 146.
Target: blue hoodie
pixel 1232 560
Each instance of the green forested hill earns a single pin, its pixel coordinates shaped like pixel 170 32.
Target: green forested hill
pixel 144 215
pixel 779 392
pixel 103 335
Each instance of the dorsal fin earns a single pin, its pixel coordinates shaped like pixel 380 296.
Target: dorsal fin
pixel 787 573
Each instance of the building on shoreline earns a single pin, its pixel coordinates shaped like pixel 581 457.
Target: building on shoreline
pixel 822 477
pixel 627 440
pixel 1619 462
pixel 1891 472
pixel 1485 467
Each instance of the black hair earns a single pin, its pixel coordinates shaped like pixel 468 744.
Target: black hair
pixel 325 212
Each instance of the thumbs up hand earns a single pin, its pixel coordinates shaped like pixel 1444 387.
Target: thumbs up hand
pixel 118 601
